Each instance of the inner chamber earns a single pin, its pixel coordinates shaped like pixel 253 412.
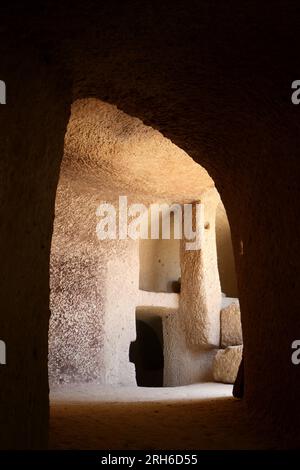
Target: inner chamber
pixel 135 311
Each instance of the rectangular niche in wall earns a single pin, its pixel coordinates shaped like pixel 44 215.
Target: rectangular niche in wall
pixel 147 351
pixel 160 262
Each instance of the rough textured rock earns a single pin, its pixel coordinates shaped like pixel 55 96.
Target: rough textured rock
pixel 95 284
pixel 93 294
pixel 231 327
pixel 226 364
pixel 184 364
pixel 200 295
pixel 114 153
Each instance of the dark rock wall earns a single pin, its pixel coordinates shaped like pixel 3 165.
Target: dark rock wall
pixel 31 146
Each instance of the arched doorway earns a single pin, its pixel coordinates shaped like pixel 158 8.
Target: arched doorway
pixel 98 284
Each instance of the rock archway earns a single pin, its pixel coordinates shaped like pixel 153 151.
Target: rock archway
pixel 95 284
pixel 216 82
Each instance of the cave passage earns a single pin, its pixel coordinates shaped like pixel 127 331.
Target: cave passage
pixel 147 352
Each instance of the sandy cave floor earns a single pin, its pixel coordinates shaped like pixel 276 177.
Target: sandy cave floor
pixel 200 416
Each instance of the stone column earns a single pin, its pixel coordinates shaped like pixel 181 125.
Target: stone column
pixel 200 298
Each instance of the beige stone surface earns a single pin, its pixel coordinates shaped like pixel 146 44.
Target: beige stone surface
pixel 231 326
pixel 159 261
pixel 112 152
pixel 200 297
pixel 226 364
pixel 158 299
pixel 184 363
pixel 95 284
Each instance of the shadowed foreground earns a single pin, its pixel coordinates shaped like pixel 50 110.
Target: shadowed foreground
pixel 182 423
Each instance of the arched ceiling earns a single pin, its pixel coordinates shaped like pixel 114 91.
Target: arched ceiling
pixel 112 153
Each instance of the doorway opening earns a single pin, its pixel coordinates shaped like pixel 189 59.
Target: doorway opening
pixel 99 287
pixel 146 352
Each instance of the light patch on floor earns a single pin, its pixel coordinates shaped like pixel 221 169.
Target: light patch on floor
pixel 77 393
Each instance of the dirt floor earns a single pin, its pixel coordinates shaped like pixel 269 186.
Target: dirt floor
pixel 203 416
